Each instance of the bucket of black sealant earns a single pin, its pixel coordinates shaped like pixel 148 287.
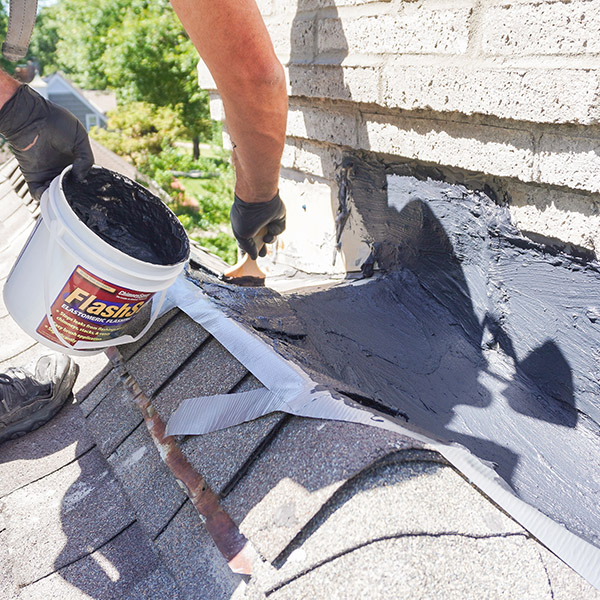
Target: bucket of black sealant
pixel 102 250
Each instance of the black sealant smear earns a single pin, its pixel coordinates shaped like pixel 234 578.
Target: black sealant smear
pixel 473 333
pixel 127 216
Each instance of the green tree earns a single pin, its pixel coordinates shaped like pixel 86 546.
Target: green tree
pixel 150 58
pixel 139 130
pixel 45 37
pixel 6 65
pixel 71 36
pixel 136 47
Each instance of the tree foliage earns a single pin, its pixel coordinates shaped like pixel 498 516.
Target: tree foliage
pixel 138 130
pixel 149 57
pixel 138 48
pixel 4 64
pixel 71 36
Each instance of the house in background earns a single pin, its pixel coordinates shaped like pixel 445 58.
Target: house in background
pixel 89 106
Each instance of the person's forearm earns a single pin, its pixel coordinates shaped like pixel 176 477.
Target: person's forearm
pixel 8 86
pixel 233 41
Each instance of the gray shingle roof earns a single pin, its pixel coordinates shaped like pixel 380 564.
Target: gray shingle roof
pixel 89 509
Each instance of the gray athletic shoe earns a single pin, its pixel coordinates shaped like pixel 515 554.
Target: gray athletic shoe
pixel 28 401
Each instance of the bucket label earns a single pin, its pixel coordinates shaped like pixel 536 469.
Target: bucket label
pixel 92 310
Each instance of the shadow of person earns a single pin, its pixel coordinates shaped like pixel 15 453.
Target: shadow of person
pixel 414 341
pixel 547 369
pixel 44 450
pixel 106 553
pixel 409 340
pixel 424 340
pixel 56 478
pixel 318 47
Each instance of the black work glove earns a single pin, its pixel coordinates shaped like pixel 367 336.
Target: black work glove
pixel 54 138
pixel 247 219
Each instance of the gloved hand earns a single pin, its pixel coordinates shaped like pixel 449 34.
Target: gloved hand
pixel 45 138
pixel 247 219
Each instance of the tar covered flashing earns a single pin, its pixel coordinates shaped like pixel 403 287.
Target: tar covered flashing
pixel 470 332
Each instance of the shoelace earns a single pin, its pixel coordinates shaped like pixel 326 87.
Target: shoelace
pixel 6 384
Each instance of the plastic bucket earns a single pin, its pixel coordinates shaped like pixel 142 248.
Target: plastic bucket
pixel 74 292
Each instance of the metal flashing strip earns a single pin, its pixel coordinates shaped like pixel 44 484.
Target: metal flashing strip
pixel 290 390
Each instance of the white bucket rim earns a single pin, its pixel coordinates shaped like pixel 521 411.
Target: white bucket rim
pixel 81 232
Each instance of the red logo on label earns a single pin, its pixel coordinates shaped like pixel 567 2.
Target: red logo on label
pixel 91 309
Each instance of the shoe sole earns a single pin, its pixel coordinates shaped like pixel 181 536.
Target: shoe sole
pixel 48 412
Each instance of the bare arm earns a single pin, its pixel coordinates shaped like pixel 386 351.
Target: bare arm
pixel 233 41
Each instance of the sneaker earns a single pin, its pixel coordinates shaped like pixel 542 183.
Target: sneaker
pixel 28 401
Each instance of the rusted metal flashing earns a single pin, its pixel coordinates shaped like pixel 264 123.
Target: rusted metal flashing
pixel 232 544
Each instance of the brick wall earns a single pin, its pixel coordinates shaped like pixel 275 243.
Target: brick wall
pixel 506 90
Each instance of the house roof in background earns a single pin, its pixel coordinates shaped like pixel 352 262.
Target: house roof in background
pixel 104 100
pixel 109 160
pixel 97 101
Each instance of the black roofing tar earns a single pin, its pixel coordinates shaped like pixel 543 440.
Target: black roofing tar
pixel 464 334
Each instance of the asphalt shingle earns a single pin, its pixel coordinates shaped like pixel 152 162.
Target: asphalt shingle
pixel 26 359
pixel 52 446
pixel 64 516
pixel 213 370
pixel 14 240
pixel 219 456
pixel 7 257
pixel 3 309
pixel 114 418
pixel 92 369
pixel 126 567
pixel 298 473
pixel 10 200
pixel 451 567
pixel 150 485
pixel 7 582
pixel 14 341
pixel 193 559
pixel 565 583
pixel 160 585
pixel 108 380
pixel 428 499
pixel 165 352
pixel 128 350
pixel 18 226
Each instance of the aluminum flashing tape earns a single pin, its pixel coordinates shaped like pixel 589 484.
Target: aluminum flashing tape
pixel 290 390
